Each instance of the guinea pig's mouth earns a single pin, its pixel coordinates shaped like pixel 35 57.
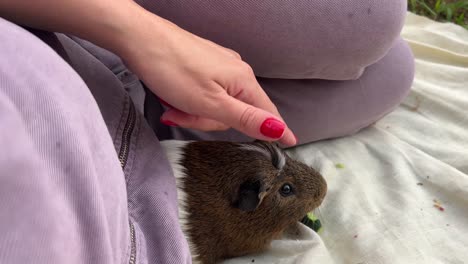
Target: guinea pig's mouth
pixel 319 197
pixel 310 219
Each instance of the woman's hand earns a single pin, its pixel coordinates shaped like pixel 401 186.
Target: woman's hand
pixel 209 87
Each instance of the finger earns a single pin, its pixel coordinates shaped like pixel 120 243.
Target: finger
pixel 257 97
pixel 253 121
pixel 174 117
pixel 262 101
pixel 166 104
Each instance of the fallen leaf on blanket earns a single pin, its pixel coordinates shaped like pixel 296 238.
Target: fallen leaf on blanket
pixel 416 107
pixel 339 166
pixel 438 205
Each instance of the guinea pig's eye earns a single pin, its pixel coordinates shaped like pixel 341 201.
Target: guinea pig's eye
pixel 286 190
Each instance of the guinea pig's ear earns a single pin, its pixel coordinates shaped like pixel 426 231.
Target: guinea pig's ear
pixel 250 195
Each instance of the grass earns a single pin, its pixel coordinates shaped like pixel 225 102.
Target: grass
pixel 455 11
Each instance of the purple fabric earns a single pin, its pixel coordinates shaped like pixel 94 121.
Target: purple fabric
pixel 69 190
pixel 63 195
pixel 331 67
pixel 322 109
pixel 301 39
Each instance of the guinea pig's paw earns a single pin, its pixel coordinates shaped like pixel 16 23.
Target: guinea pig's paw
pixel 293 232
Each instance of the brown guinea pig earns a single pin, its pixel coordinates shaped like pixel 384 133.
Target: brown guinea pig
pixel 235 198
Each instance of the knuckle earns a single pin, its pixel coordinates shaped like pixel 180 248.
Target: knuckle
pixel 246 69
pixel 237 55
pixel 234 53
pixel 247 118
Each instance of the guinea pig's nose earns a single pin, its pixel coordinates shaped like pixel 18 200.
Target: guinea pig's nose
pixel 320 194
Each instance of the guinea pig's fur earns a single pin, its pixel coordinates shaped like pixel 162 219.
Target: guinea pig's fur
pixel 233 198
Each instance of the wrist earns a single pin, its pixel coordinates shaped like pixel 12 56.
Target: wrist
pixel 114 27
pixel 135 31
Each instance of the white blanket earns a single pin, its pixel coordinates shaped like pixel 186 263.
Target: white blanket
pixel 385 205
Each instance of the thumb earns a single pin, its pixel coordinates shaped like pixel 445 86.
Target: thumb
pixel 253 121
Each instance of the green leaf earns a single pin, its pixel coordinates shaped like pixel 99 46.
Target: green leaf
pixel 339 166
pixel 413 5
pixel 428 9
pixel 460 20
pixel 449 14
pixel 437 6
pixel 460 5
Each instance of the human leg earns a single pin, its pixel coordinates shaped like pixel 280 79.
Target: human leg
pixel 300 39
pixel 348 69
pixel 323 109
pixel 80 182
pixel 62 192
pixel 150 185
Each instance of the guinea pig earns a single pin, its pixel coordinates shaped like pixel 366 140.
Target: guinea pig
pixel 235 198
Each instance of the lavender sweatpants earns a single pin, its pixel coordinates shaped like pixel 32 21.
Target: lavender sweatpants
pixel 82 175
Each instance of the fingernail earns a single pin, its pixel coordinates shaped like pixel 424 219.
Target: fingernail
pixel 272 128
pixel 168 123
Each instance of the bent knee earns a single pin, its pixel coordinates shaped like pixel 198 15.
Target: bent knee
pixel 334 109
pixel 377 31
pixel 300 39
pixel 395 74
pixel 334 40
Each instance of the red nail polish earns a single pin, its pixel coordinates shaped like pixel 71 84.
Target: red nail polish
pixel 168 123
pixel 272 128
